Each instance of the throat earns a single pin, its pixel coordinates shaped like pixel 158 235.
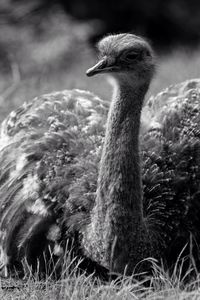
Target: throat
pixel 117 218
pixel 120 175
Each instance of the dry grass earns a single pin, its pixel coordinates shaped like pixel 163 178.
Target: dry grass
pixel 179 65
pixel 55 60
pixel 74 286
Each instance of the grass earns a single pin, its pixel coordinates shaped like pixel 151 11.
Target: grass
pixel 74 286
pixel 32 64
pixel 179 65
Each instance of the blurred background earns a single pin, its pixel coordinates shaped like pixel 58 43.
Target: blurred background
pixel 46 45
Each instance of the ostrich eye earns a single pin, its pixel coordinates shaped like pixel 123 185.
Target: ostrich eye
pixel 131 56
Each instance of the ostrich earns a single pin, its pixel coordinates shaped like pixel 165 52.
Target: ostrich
pixel 118 193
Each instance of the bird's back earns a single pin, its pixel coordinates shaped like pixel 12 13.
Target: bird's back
pixel 49 156
pixel 171 170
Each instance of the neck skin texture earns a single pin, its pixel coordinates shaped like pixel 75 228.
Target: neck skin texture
pixel 118 234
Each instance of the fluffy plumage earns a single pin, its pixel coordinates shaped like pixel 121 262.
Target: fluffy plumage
pixel 171 171
pixel 49 158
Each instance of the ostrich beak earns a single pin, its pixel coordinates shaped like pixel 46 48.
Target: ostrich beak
pixel 103 66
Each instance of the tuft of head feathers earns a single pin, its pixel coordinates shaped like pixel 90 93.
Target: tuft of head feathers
pixel 118 43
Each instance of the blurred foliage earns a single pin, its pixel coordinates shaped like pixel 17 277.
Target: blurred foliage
pixel 171 22
pixel 165 22
pixel 43 49
pixel 40 53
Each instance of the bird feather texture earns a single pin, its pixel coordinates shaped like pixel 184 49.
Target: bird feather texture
pixel 49 158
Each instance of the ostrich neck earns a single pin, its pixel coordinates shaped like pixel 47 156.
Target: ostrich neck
pixel 119 179
pixel 117 218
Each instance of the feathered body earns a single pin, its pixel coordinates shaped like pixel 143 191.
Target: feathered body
pixel 50 157
pixel 50 151
pixel 171 171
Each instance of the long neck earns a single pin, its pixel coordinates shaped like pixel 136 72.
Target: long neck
pixel 119 179
pixel 117 219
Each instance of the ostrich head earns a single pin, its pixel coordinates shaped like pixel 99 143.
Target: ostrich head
pixel 124 56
